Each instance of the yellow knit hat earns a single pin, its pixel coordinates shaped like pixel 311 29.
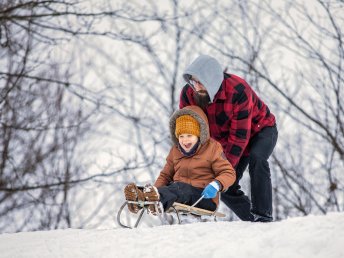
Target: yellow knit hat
pixel 187 124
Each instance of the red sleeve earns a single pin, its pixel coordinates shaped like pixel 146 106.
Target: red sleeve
pixel 186 97
pixel 240 128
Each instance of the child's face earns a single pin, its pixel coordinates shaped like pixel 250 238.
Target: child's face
pixel 187 141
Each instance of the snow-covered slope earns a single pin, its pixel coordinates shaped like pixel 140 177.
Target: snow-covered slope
pixel 311 236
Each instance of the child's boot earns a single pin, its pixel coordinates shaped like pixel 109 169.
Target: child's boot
pixel 133 193
pixel 152 195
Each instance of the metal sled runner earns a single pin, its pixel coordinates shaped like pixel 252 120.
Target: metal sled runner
pixel 179 209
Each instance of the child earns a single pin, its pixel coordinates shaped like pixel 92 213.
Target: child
pixel 196 166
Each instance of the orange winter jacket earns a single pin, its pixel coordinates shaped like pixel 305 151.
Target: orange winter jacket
pixel 208 163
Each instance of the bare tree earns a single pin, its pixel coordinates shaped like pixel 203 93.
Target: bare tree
pixel 41 122
pixel 87 91
pixel 315 105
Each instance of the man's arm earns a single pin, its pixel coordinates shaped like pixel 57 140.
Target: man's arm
pixel 186 97
pixel 224 171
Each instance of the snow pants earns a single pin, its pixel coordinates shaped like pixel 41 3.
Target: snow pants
pixel 183 193
pixel 259 208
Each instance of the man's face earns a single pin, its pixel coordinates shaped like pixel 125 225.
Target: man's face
pixel 198 86
pixel 201 96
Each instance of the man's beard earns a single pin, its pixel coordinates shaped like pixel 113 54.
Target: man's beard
pixel 202 100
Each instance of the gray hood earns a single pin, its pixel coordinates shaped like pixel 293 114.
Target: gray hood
pixel 208 71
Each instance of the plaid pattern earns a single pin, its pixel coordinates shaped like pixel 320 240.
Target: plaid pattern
pixel 235 116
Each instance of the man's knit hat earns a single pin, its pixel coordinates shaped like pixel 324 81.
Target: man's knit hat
pixel 187 124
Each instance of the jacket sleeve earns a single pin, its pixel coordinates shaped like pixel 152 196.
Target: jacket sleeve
pixel 224 171
pixel 167 173
pixel 240 127
pixel 186 97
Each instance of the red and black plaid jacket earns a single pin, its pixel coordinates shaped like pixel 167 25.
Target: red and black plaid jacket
pixel 235 115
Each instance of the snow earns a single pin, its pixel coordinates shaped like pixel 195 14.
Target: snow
pixel 310 236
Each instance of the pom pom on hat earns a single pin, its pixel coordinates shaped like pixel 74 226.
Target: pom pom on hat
pixel 188 125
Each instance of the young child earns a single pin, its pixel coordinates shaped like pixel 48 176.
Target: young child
pixel 196 166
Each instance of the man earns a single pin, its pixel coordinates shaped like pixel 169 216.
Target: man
pixel 244 126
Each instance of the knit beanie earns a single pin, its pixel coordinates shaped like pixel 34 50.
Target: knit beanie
pixel 187 124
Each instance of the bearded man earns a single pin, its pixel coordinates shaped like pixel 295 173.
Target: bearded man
pixel 244 126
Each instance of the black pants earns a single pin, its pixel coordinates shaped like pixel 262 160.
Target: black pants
pixel 260 206
pixel 183 193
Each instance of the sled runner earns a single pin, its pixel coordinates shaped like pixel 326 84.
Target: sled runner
pixel 184 213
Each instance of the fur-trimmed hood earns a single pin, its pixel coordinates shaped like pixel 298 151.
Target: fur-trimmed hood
pixel 197 113
pixel 206 165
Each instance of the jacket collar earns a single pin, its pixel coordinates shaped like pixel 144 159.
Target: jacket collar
pixel 221 94
pixel 199 150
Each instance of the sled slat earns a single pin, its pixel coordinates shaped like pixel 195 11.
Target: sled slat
pixel 196 211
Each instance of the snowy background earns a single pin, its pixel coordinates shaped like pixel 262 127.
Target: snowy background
pixel 304 237
pixel 86 92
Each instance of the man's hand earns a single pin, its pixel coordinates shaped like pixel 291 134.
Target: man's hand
pixel 211 190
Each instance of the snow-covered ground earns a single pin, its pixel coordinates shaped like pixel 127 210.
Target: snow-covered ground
pixel 304 237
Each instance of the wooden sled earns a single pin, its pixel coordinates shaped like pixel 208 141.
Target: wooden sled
pixel 183 208
pixel 179 209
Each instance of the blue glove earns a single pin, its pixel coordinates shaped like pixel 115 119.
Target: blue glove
pixel 211 190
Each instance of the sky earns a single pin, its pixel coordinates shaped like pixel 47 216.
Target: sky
pixel 298 237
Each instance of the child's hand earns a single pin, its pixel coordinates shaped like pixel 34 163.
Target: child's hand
pixel 211 190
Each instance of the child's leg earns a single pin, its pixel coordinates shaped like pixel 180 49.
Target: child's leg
pixel 167 196
pixel 183 193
